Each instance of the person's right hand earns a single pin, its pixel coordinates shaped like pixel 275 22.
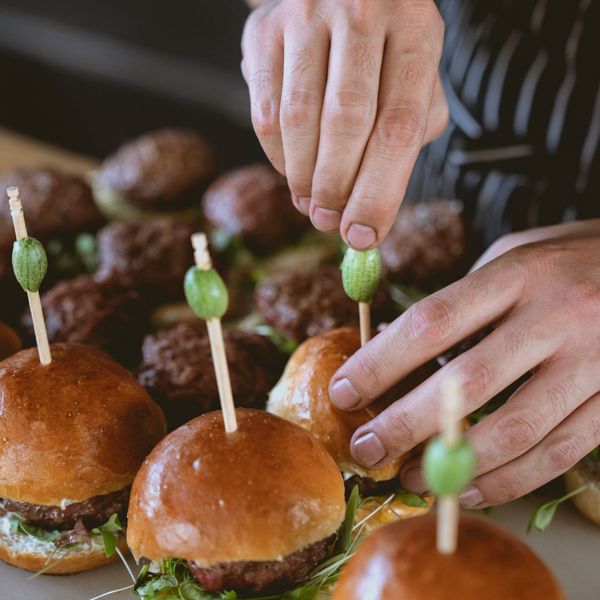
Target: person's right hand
pixel 344 93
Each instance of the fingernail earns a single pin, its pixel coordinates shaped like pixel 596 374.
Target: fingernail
pixel 326 219
pixel 361 236
pixel 412 479
pixel 368 449
pixel 343 394
pixel 471 497
pixel 303 205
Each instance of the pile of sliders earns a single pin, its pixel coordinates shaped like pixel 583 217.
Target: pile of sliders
pixel 155 443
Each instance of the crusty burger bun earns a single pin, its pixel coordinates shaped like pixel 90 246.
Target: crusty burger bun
pixel 9 341
pixel 302 396
pixel 70 431
pixel 259 494
pixel 401 561
pixel 586 472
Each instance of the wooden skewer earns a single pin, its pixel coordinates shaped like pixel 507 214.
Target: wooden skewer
pixel 217 345
pixel 448 508
pixel 364 318
pixel 35 304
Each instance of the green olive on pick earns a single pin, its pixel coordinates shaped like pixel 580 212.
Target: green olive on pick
pixel 361 270
pixel 30 263
pixel 206 293
pixel 448 469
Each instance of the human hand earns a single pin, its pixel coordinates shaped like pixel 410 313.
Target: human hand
pixel 344 93
pixel 541 292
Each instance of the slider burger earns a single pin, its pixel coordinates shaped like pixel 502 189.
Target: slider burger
pixel 401 561
pixel 73 434
pixel 253 511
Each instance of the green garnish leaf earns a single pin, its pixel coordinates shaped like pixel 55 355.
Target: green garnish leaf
pixel 345 532
pixel 30 263
pixel 107 531
pixel 410 499
pixel 18 526
pixel 542 516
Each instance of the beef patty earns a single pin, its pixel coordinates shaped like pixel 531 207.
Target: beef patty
pixel 92 512
pixel 264 576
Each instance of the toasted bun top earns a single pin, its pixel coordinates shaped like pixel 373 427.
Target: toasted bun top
pixel 76 428
pixel 258 494
pixel 302 396
pixel 401 561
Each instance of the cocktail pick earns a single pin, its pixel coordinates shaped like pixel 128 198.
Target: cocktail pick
pixel 208 298
pixel 30 264
pixel 361 270
pixel 448 465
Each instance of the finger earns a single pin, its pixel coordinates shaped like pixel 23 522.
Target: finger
pixel 427 329
pixel 304 76
pixel 555 391
pixel 408 78
pixel 438 117
pixel 498 360
pixel 566 445
pixel 262 46
pixel 347 119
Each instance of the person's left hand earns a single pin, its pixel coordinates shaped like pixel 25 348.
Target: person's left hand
pixel 540 290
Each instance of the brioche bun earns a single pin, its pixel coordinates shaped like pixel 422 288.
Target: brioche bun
pixel 258 494
pixel 15 551
pixel 76 428
pixel 401 561
pixel 302 396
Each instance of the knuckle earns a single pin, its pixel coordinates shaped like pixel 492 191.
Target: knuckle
pixel 297 108
pixel 565 453
pixel 474 376
pixel 400 428
pixel 518 432
pixel 507 486
pixel 368 367
pixel 359 15
pixel 430 320
pixel 559 396
pixel 264 118
pixel 400 127
pixel 583 295
pixel 348 111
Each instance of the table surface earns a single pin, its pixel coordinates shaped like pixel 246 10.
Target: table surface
pixel 570 547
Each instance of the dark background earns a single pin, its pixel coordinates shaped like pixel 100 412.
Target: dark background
pixel 87 75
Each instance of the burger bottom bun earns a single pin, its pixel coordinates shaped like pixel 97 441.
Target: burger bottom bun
pixel 587 472
pixel 15 551
pixel 401 561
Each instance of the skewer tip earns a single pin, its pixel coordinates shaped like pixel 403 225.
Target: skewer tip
pixel 13 192
pixel 201 255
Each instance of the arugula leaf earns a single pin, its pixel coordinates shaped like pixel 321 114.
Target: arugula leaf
pixel 345 531
pixel 18 526
pixel 542 516
pixel 107 531
pixel 410 499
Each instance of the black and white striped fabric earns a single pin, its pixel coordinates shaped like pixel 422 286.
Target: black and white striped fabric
pixel 522 78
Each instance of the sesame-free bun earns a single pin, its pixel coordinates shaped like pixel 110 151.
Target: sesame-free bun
pixel 258 494
pixel 302 396
pixel 15 551
pixel 76 428
pixel 401 561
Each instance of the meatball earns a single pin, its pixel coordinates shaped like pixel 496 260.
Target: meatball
pixel 105 315
pixel 152 256
pixel 162 170
pixel 92 512
pixel 254 203
pixel 427 244
pixel 178 372
pixel 304 302
pixel 263 576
